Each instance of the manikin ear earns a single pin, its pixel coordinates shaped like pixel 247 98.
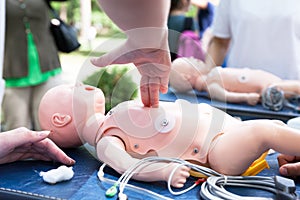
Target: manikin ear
pixel 60 120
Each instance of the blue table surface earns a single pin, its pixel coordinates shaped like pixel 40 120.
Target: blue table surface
pixel 24 176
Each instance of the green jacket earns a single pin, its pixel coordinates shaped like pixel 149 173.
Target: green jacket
pixel 16 55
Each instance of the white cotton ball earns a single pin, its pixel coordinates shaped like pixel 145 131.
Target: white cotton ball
pixel 62 173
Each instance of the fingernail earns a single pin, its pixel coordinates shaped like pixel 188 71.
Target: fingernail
pixel 71 162
pixel 44 133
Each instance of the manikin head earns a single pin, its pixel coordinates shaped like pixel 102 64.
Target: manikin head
pixel 65 109
pixel 187 74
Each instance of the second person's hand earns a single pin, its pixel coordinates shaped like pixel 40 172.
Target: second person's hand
pixel 289 165
pixel 22 143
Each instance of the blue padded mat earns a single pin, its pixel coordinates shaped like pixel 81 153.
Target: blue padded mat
pixel 241 110
pixel 23 176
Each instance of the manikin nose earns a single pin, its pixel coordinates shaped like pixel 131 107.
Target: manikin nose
pixel 89 88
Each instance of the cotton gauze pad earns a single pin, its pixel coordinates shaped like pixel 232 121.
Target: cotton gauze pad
pixel 62 173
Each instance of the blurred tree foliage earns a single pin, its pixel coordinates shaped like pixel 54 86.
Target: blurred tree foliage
pixel 192 12
pixel 99 19
pixel 116 84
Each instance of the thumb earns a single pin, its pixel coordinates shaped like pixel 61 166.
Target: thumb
pixel 101 61
pixel 290 169
pixel 109 59
pixel 120 55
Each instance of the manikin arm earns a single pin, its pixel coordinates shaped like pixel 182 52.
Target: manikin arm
pixel 290 87
pixel 111 150
pixel 217 92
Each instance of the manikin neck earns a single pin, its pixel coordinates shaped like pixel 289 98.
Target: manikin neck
pixel 90 130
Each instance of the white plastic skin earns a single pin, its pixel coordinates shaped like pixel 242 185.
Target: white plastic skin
pixel 62 173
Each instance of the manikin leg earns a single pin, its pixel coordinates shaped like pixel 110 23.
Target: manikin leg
pixel 234 151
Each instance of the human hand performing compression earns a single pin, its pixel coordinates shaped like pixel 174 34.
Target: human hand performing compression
pixel 197 133
pixel 145 25
pixel 235 85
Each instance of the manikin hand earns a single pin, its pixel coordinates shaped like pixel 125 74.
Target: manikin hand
pixel 289 165
pixel 253 98
pixel 179 177
pixel 153 65
pixel 21 143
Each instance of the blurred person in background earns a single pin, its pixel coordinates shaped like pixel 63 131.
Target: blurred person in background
pixel 205 14
pixel 31 62
pixel 258 35
pixel 178 22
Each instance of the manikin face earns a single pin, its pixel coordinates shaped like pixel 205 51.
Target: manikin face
pixel 92 97
pixel 65 109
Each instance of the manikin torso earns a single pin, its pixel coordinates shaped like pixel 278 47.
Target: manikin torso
pixel 241 80
pixel 181 129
